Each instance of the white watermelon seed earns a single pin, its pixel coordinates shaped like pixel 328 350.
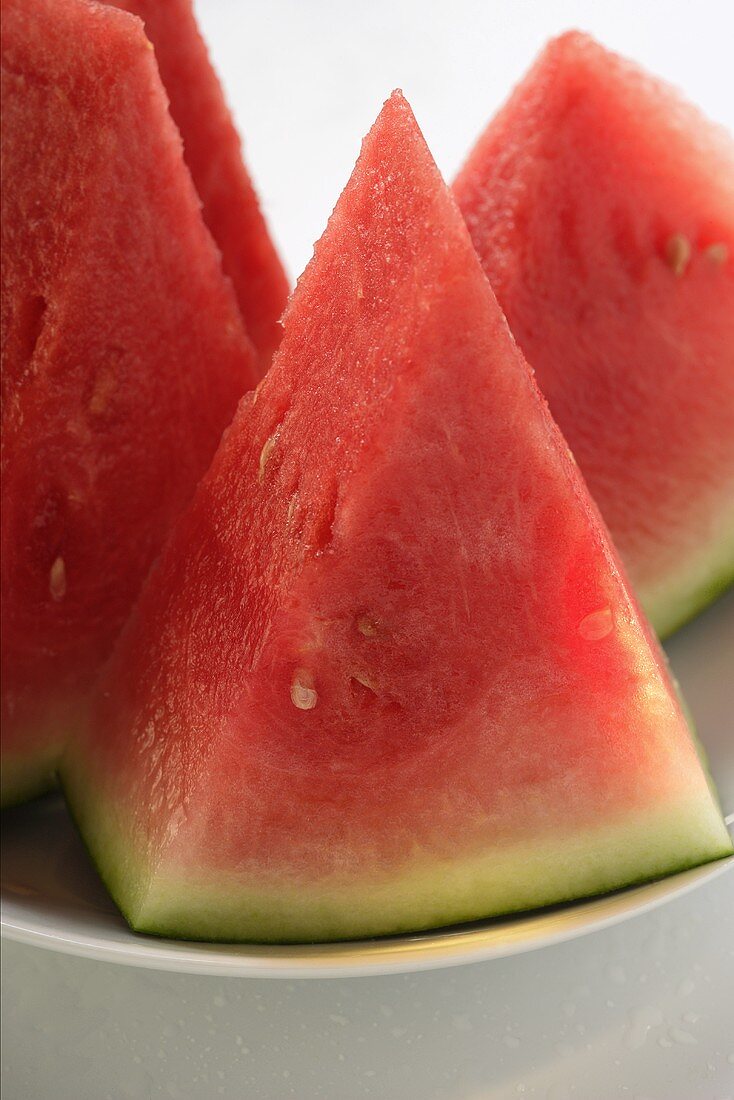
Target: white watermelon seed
pixel 367 626
pixel 364 681
pixel 597 625
pixel 678 253
pixel 265 454
pixel 104 386
pixel 303 693
pixel 717 253
pixel 57 580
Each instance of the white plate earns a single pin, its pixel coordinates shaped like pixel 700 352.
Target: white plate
pixel 52 898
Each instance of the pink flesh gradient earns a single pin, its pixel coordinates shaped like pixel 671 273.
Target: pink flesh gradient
pixel 576 196
pixel 124 354
pixel 393 531
pixel 213 154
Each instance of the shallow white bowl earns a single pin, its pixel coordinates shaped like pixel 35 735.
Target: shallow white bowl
pixel 52 898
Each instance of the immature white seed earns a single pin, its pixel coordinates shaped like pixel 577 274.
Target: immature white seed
pixel 367 626
pixel 717 253
pixel 57 580
pixel 303 693
pixel 678 253
pixel 365 681
pixel 265 454
pixel 104 386
pixel 597 625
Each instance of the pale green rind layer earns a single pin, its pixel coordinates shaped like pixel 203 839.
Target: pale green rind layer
pixel 528 875
pixel 672 604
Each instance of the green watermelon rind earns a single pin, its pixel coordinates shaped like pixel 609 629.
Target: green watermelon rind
pixel 171 931
pixel 669 613
pixel 32 773
pixel 229 913
pixel 26 777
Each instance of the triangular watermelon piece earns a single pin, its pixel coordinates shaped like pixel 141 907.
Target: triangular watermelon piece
pixel 123 350
pixel 602 208
pixel 387 673
pixel 214 157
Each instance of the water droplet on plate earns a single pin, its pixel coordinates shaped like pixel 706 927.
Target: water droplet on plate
pixel 641 1022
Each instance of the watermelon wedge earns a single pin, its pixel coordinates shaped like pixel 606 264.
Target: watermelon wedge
pixel 214 157
pixel 123 352
pixel 602 208
pixel 387 673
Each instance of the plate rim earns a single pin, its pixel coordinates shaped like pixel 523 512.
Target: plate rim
pixel 429 950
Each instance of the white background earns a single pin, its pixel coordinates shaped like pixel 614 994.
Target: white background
pixel 641 1012
pixel 306 78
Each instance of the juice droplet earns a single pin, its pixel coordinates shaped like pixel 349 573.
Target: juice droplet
pixel 597 625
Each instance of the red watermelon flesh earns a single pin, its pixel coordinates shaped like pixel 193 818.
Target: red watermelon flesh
pixel 387 673
pixel 214 157
pixel 602 208
pixel 123 354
